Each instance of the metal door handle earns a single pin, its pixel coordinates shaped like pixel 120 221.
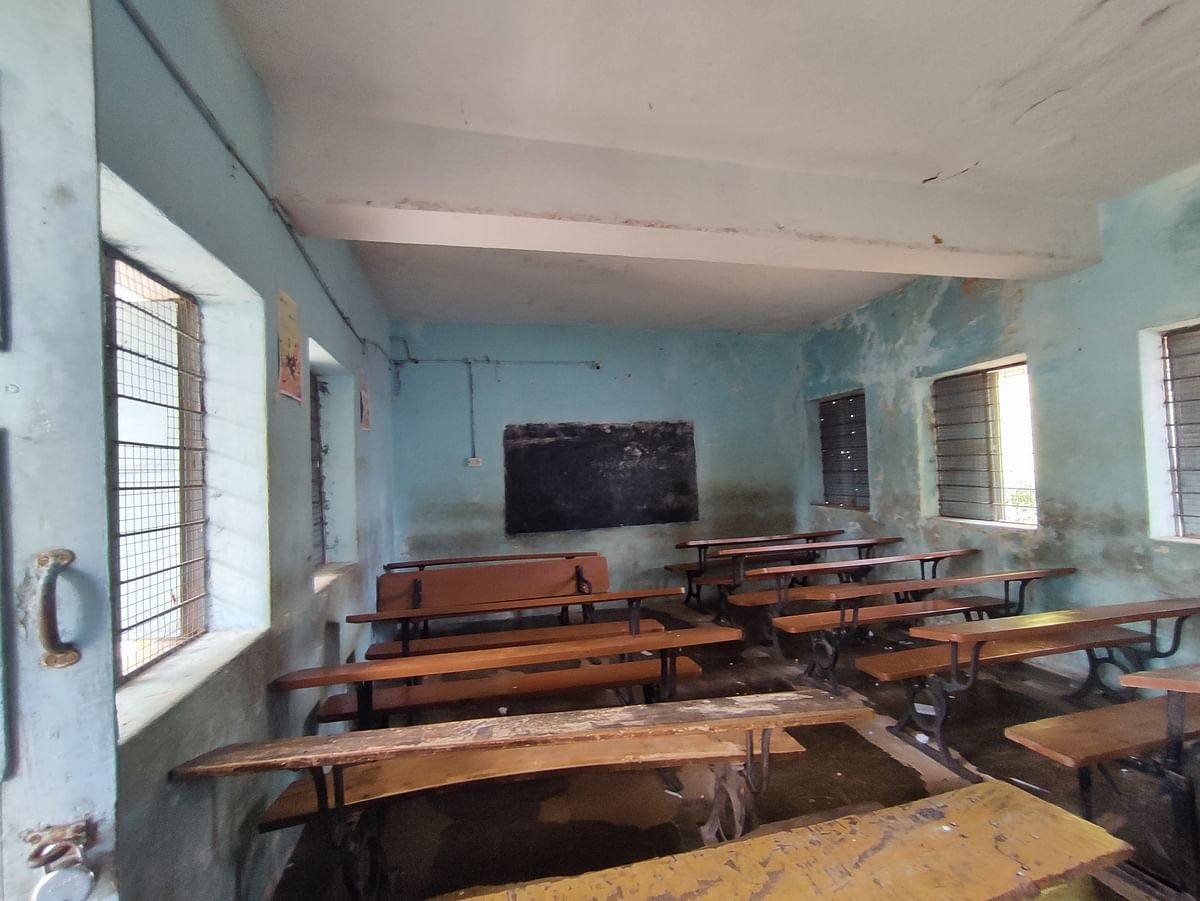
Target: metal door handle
pixel 49 565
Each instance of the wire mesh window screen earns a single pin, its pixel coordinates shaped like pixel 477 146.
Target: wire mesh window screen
pixel 844 451
pixel 317 453
pixel 983 427
pixel 1181 383
pixel 156 446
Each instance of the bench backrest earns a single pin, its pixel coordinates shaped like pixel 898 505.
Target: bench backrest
pixel 490 583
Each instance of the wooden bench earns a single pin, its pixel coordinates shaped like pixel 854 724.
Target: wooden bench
pixel 917 589
pixel 702 546
pixel 845 570
pixel 504 686
pixel 979 843
pixel 505 638
pixel 363 676
pixel 940 671
pixel 417 748
pixel 383 780
pixel 489 558
pixel 1136 734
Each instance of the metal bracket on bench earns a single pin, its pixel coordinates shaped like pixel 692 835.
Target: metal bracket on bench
pixel 1135 662
pixel 757 783
pixel 1011 609
pixel 339 832
pixel 582 586
pixel 826 648
pixel 1176 640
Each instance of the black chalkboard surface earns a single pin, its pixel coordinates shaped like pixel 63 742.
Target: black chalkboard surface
pixel 560 476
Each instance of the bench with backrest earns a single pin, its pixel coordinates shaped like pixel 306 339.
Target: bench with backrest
pixel 942 670
pixel 407 598
pixel 702 547
pixel 979 843
pixel 353 769
pixel 366 709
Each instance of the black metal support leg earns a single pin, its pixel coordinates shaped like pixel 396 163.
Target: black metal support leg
pixel 1084 776
pixel 364 715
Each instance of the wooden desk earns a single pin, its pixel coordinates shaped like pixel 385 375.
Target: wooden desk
pixel 918 588
pixel 979 843
pixel 1178 682
pixel 811 547
pixel 838 567
pixel 490 558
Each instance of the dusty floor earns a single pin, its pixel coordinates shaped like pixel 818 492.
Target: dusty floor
pixel 499 833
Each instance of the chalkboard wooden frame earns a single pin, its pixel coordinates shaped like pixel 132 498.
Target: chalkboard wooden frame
pixel 568 476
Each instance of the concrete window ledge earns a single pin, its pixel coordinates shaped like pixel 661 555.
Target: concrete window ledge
pixel 988 523
pixel 149 695
pixel 327 575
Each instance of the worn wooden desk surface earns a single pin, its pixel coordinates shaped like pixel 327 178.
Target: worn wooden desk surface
pixel 482 607
pixel 856 590
pixel 501 658
pixel 804 707
pixel 989 841
pixel 811 547
pixel 840 566
pixel 1031 625
pixel 489 558
pixel 758 539
pixel 1184 679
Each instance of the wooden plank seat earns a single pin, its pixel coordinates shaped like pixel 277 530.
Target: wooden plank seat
pixel 504 686
pixel 812 535
pixel 489 558
pixel 979 843
pixel 417 748
pixel 373 782
pixel 854 570
pixel 803 623
pixel 806 552
pixel 506 638
pixel 905 589
pixel 364 675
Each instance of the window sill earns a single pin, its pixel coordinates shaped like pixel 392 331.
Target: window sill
pixel 863 510
pixel 149 695
pixel 987 523
pixel 327 575
pixel 1175 539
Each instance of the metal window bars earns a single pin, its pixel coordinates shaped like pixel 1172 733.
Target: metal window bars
pixel 844 469
pixel 317 453
pixel 155 397
pixel 976 478
pixel 1181 390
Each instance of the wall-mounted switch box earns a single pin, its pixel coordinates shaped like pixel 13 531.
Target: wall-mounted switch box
pixel 474 461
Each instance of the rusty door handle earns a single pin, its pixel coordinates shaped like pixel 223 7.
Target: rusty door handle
pixel 49 565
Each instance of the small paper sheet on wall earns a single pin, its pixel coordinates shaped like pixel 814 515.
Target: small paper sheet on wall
pixel 290 382
pixel 364 402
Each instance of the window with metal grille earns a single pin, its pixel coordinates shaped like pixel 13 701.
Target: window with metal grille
pixel 983 427
pixel 155 395
pixel 1181 386
pixel 844 451
pixel 317 452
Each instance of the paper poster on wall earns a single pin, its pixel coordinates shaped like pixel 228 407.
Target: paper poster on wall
pixel 364 403
pixel 290 383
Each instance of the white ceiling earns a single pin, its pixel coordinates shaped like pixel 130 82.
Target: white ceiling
pixel 980 101
pixel 468 284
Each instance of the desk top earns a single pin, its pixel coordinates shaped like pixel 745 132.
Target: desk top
pixel 1031 625
pixel 489 558
pixel 855 590
pixel 480 608
pixel 501 658
pixel 836 566
pixel 759 539
pixel 802 707
pixel 804 548
pixel 1174 678
pixel 988 841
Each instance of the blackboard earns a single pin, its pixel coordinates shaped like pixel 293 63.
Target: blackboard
pixel 560 476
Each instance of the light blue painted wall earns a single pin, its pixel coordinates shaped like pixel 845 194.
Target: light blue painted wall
pixel 198 841
pixel 740 390
pixel 1080 334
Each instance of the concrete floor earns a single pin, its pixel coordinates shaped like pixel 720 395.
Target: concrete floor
pixel 491 834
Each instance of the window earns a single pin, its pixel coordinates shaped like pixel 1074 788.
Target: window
pixel 844 451
pixel 157 466
pixel 983 430
pixel 317 451
pixel 1181 389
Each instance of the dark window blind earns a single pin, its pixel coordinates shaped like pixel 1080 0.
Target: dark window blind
pixel 964 420
pixel 844 451
pixel 317 453
pixel 1181 366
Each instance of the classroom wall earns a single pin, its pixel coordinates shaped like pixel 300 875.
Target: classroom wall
pixel 739 390
pixel 1081 336
pixel 198 841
